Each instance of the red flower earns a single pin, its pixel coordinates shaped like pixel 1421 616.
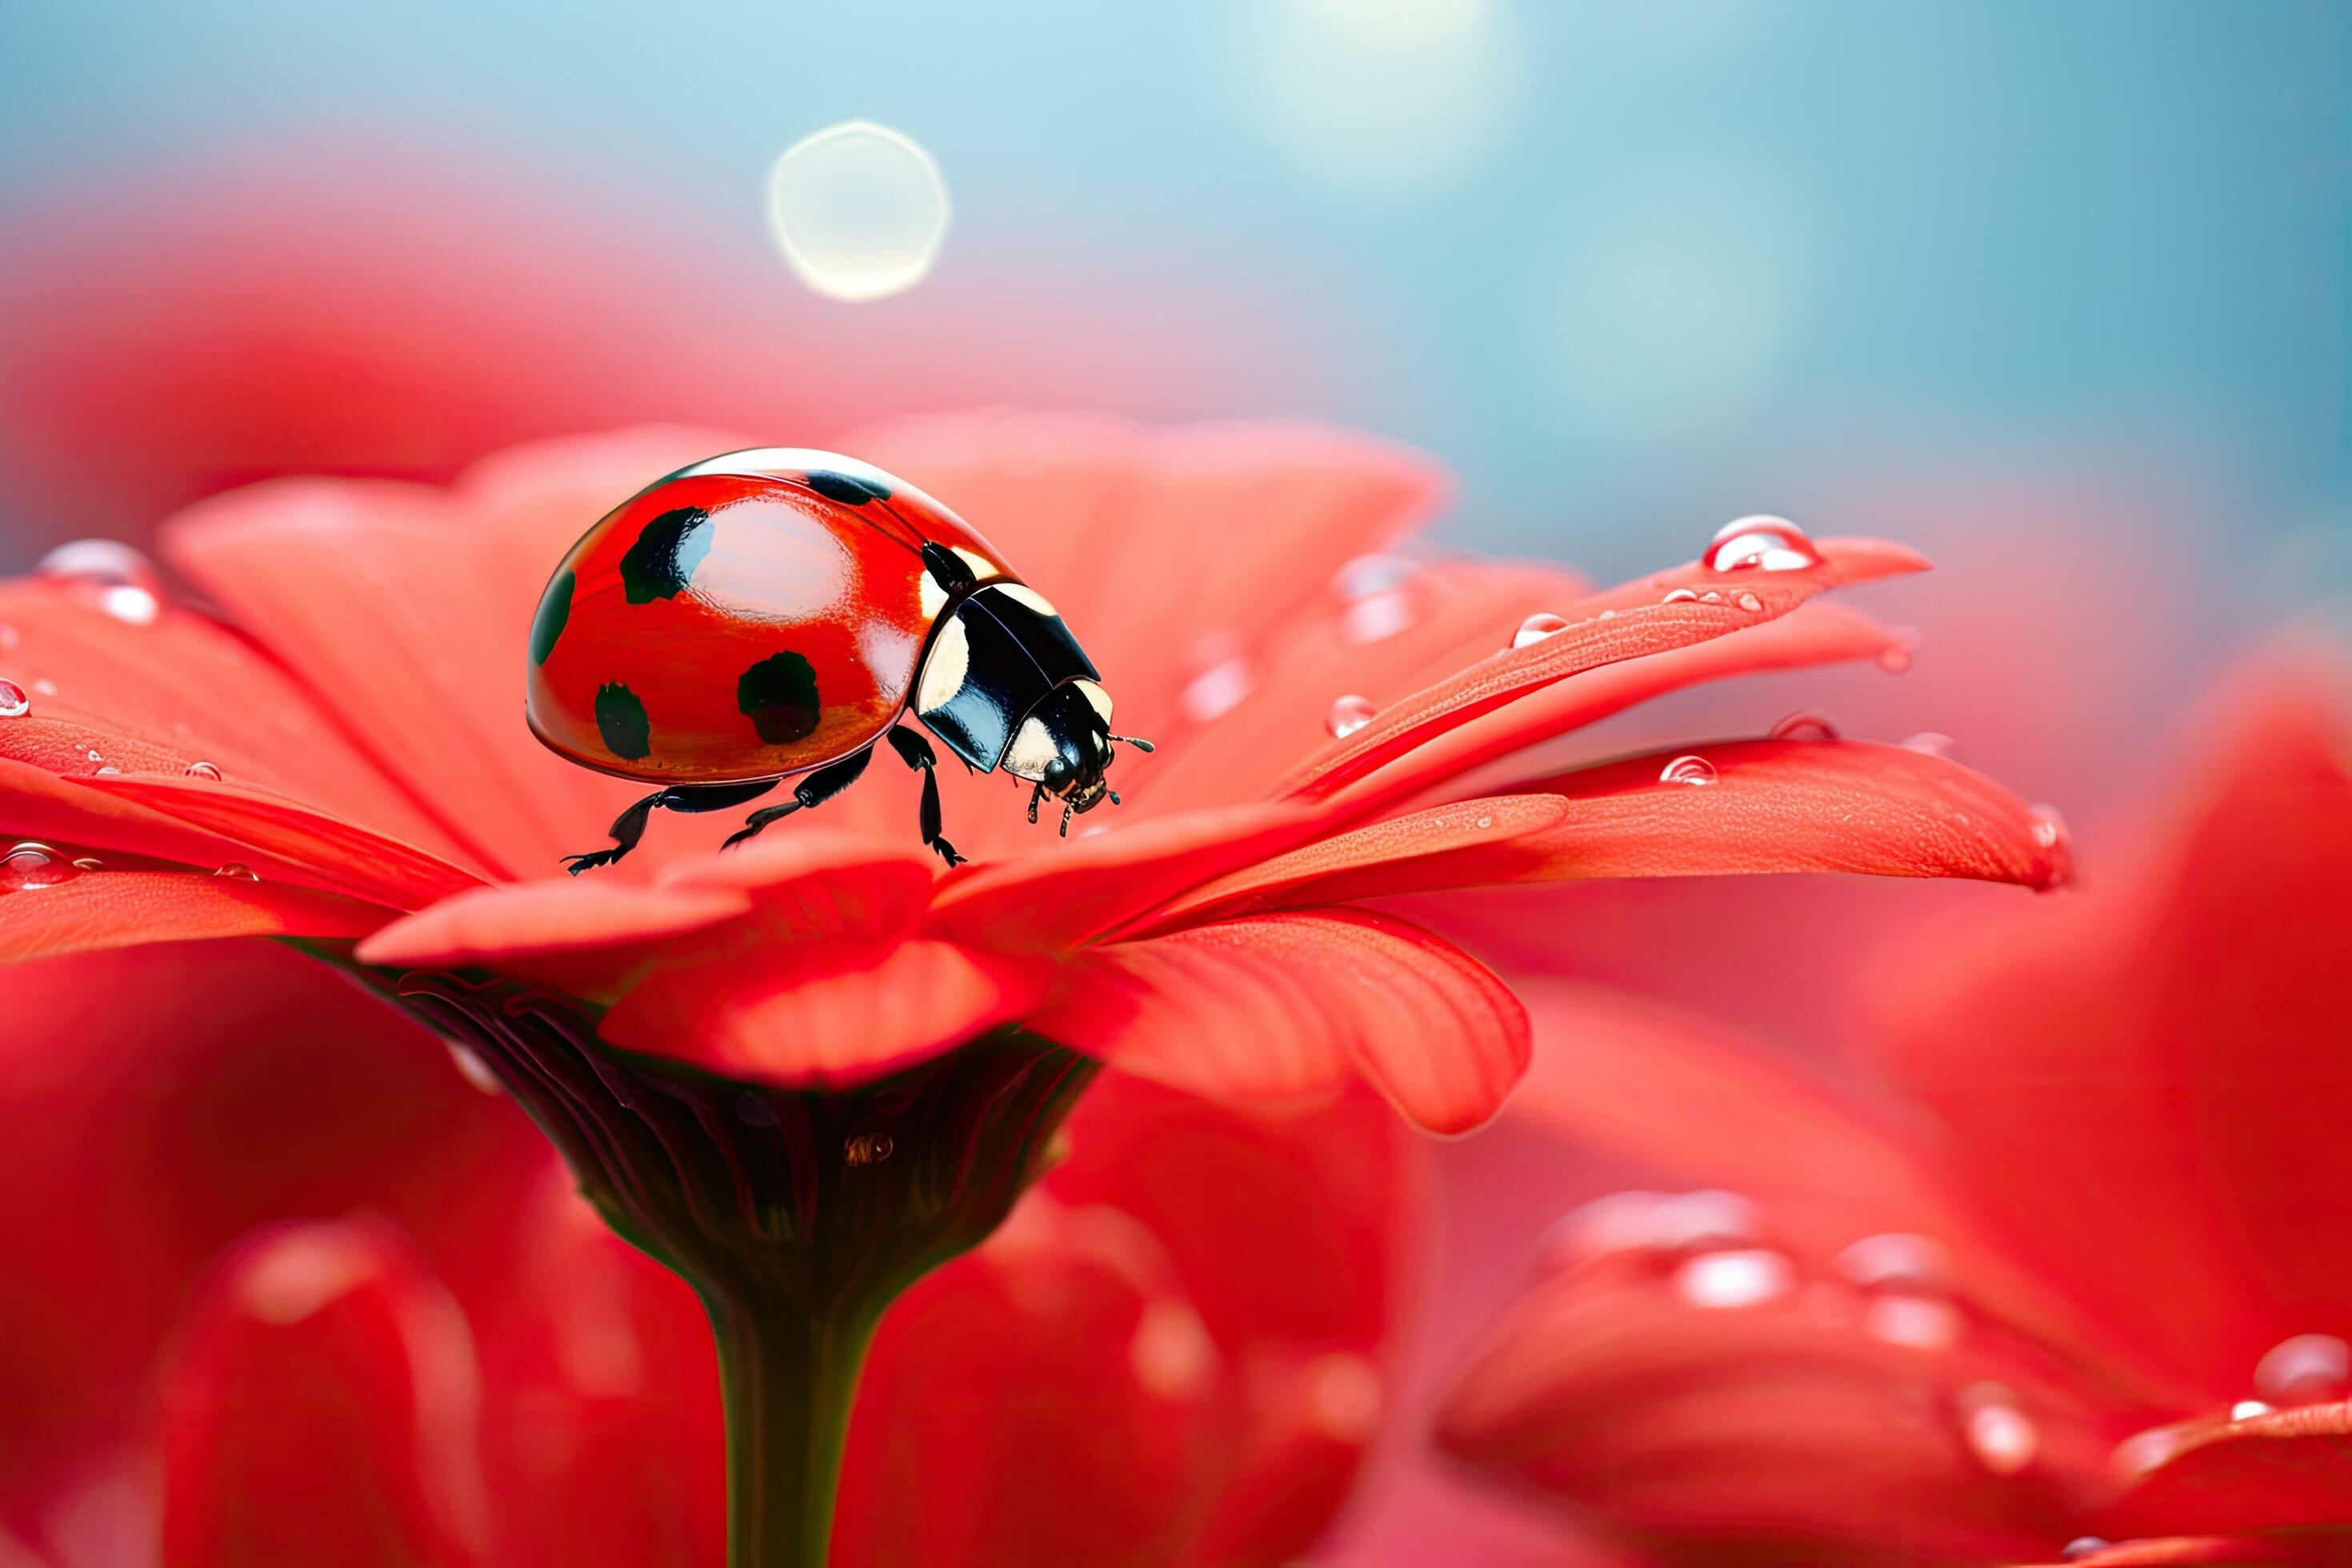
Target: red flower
pixel 2103 1302
pixel 1195 1314
pixel 374 767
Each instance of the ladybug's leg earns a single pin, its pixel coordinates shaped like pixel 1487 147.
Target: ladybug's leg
pixel 814 790
pixel 630 825
pixel 915 752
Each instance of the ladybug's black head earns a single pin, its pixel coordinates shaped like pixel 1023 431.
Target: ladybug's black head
pixel 1063 743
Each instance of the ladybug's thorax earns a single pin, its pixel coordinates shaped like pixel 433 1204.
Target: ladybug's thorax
pixel 1063 743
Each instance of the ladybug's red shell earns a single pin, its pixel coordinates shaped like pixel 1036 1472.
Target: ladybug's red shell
pixel 758 613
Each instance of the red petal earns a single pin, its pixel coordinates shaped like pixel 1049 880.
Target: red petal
pixel 1782 1427
pixel 182 688
pixel 2286 1469
pixel 521 921
pixel 2286 1549
pixel 1098 514
pixel 1642 626
pixel 320 1408
pixel 810 882
pixel 1283 1006
pixel 1440 829
pixel 126 908
pixel 407 608
pixel 1816 633
pixel 1774 806
pixel 1049 901
pixel 835 1013
pixel 327 850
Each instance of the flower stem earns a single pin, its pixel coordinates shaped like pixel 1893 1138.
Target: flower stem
pixel 790 1382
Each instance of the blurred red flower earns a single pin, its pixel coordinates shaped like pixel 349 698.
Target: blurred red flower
pixel 1193 1313
pixel 2083 1290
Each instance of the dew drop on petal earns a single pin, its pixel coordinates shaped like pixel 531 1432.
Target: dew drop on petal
pixel 110 771
pixel 103 561
pixel 238 871
pixel 1934 743
pixel 2081 1546
pixel 1761 543
pixel 2003 1437
pixel 1749 602
pixel 1365 576
pixel 1171 1353
pixel 29 865
pixel 1688 769
pixel 1379 617
pixel 2304 1370
pixel 1804 726
pixel 1216 690
pixel 1349 714
pixel 1723 1280
pixel 2247 1409
pixel 1681 596
pixel 1918 1322
pixel 1896 1258
pixel 2048 828
pixel 859 210
pixel 473 1069
pixel 1711 596
pixel 1709 1218
pixel 14 703
pixel 204 771
pixel 1621 1222
pixel 89 863
pixel 1537 628
pixel 132 606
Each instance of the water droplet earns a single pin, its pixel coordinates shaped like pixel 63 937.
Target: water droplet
pixel 1895 657
pixel 106 561
pixel 1804 726
pixel 2081 1546
pixel 867 1149
pixel 1485 822
pixel 1349 714
pixel 1708 1218
pixel 1896 1258
pixel 1365 576
pixel 1710 598
pixel 29 865
pixel 1537 628
pixel 1606 615
pixel 1934 743
pixel 110 771
pixel 2048 828
pixel 1723 1280
pixel 93 754
pixel 1681 596
pixel 473 1069
pixel 1761 543
pixel 1621 1222
pixel 2003 1437
pixel 14 703
pixel 1687 769
pixel 1217 690
pixel 858 209
pixel 89 863
pixel 204 771
pixel 237 871
pixel 2247 1409
pixel 1343 1397
pixel 132 606
pixel 1171 1353
pixel 2304 1370
pixel 1379 616
pixel 1749 602
pixel 1918 1322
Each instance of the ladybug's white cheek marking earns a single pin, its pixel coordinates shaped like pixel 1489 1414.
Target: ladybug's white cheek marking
pixel 1031 749
pixel 1096 698
pixel 930 597
pixel 983 568
pixel 944 667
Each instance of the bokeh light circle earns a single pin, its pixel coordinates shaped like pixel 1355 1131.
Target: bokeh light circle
pixel 858 209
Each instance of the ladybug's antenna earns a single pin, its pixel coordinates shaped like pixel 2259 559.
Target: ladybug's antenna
pixel 1138 741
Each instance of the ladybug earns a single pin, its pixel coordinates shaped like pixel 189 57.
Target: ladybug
pixel 774 612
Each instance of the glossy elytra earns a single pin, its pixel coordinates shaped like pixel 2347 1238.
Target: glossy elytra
pixel 773 612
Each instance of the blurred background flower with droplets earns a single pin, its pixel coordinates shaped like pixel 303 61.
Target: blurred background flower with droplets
pixel 2058 294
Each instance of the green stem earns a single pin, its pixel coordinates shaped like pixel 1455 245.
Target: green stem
pixel 789 1381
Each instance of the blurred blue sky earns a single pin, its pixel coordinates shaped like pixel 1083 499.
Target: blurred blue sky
pixel 1632 266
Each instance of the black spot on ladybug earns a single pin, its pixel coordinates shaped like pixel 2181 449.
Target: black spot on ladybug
pixel 621 719
pixel 554 610
pixel 847 488
pixel 779 696
pixel 670 547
